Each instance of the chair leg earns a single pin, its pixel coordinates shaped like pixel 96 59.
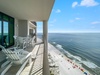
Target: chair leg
pixel 30 60
pixel 7 68
pixel 5 63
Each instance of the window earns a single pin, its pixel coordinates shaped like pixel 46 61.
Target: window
pixel 6 30
pixel 5 34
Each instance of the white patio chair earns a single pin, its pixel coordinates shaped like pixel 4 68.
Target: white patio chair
pixel 16 57
pixel 16 42
pixel 23 42
pixel 28 41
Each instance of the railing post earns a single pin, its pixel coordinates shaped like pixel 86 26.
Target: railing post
pixel 45 54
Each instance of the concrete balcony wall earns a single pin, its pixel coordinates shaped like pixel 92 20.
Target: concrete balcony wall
pixel 16 27
pixel 23 28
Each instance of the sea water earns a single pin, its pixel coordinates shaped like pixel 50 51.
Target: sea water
pixel 80 47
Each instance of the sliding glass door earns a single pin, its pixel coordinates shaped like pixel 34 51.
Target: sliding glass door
pixel 6 30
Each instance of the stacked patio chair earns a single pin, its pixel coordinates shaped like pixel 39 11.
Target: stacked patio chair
pixel 23 42
pixel 15 57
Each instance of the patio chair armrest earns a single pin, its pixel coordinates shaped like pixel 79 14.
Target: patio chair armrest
pixel 29 54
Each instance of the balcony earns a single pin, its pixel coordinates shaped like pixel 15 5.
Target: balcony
pixel 36 66
pixel 34 10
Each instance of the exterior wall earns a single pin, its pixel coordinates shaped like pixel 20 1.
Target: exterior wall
pixel 23 28
pixel 16 27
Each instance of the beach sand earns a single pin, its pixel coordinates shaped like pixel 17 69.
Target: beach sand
pixel 66 65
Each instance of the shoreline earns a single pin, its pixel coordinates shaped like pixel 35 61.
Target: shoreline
pixel 82 68
pixel 93 71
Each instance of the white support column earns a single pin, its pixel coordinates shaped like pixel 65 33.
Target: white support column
pixel 45 55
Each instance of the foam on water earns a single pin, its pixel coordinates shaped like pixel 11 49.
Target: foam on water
pixel 87 62
pixel 54 42
pixel 59 46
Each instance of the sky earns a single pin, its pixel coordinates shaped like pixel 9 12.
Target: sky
pixel 74 16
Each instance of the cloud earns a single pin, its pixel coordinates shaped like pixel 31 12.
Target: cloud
pixel 95 22
pixel 77 18
pixel 88 3
pixel 73 20
pixel 53 21
pixel 74 4
pixel 58 11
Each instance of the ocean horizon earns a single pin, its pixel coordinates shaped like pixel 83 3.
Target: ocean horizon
pixel 83 48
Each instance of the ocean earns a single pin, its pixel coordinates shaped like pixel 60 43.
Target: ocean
pixel 80 47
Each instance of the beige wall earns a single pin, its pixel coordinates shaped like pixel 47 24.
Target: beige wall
pixel 22 28
pixel 16 27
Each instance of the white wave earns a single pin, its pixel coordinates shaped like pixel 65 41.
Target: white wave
pixel 87 62
pixel 76 57
pixel 59 46
pixel 54 42
pixel 68 54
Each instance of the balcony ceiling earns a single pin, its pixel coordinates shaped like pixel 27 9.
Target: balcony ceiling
pixel 37 10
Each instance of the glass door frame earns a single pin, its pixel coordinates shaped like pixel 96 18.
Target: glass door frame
pixel 10 20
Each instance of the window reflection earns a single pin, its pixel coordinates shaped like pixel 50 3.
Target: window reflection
pixel 5 34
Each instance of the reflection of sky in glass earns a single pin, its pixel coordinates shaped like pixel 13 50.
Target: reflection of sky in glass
pixel 5 27
pixel 0 27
